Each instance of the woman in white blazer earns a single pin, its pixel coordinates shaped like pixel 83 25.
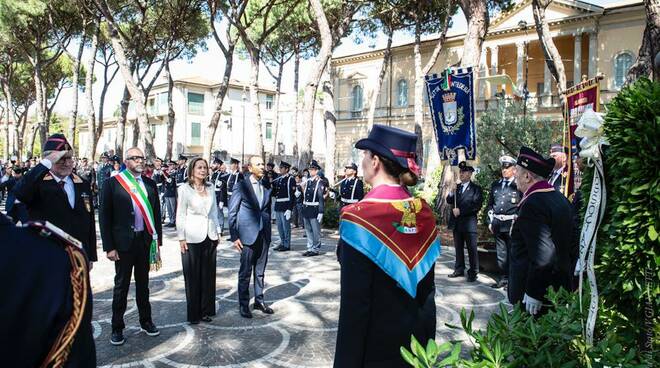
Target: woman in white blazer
pixel 197 229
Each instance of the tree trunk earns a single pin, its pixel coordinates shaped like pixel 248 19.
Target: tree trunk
pixel 137 94
pixel 476 12
pixel 42 119
pixel 276 123
pixel 330 127
pixel 212 127
pixel 373 98
pixel 20 138
pixel 89 81
pixel 254 99
pixel 552 56
pixel 10 133
pixel 296 80
pixel 32 135
pixel 135 141
pixel 73 120
pixel 644 66
pixel 170 111
pixel 121 123
pixel 312 84
pixel 419 90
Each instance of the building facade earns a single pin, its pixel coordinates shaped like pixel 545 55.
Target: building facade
pixel 591 39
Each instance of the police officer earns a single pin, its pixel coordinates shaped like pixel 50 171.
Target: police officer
pixel 182 171
pixel 284 187
pixel 540 235
pixel 51 192
pixel 233 177
pixel 103 172
pixel 15 209
pixel 169 192
pixel 351 189
pixel 312 209
pixel 158 176
pixel 49 281
pixel 502 207
pixel 219 182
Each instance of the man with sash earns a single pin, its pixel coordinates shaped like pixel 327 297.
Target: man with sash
pixel 131 238
pixel 52 192
pixel 389 245
pixel 351 189
pixel 540 235
pixel 284 187
pixel 312 209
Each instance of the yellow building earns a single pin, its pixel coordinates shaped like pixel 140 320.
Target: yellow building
pixel 591 40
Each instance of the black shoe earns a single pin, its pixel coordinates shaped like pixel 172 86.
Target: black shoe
pixel 117 338
pixel 150 329
pixel 170 225
pixel 194 322
pixel 313 254
pixel 500 284
pixel 245 312
pixel 305 254
pixel 263 307
pixel 472 278
pixel 207 319
pixel 281 249
pixel 455 274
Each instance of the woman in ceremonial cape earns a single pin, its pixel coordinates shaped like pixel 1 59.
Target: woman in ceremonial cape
pixel 387 249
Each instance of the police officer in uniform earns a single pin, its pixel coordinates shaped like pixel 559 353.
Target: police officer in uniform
pixel 219 182
pixel 351 189
pixel 46 315
pixel 284 187
pixel 540 235
pixel 233 177
pixel 51 192
pixel 312 209
pixel 103 173
pixel 182 172
pixel 502 208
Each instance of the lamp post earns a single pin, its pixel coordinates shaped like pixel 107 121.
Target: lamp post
pixel 243 98
pixel 523 25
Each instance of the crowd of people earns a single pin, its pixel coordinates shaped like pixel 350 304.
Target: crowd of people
pixel 387 250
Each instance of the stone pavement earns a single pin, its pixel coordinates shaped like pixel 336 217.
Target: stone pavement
pixel 304 292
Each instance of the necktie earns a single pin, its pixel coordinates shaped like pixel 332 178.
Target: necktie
pixel 61 183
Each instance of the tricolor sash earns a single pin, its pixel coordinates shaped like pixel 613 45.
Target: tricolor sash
pixel 399 236
pixel 128 182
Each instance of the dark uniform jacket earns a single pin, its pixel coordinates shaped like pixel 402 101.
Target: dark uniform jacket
pixel 181 175
pixel 469 204
pixel 116 215
pixel 169 186
pixel 232 179
pixel 503 201
pixel 159 178
pixel 219 181
pixel 313 198
pixel 351 190
pixel 383 315
pixel 284 189
pixel 38 300
pixel 540 246
pixel 102 175
pixel 47 201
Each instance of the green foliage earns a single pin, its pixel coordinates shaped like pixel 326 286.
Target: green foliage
pixel 331 214
pixel 628 251
pixel 516 339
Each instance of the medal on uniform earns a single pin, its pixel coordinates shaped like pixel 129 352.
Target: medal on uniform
pixel 87 202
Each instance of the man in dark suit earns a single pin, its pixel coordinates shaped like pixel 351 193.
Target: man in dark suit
pixel 249 227
pixel 540 235
pixel 126 240
pixel 557 178
pixel 51 192
pixel 465 203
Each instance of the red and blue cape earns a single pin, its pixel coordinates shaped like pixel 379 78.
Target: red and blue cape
pixel 395 231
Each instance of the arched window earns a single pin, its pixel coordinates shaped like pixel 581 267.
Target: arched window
pixel 622 63
pixel 356 96
pixel 402 93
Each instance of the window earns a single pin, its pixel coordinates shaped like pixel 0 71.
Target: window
pixel 195 103
pixel 622 63
pixel 269 102
pixel 540 88
pixel 356 96
pixel 269 130
pixel 161 103
pixel 151 106
pixel 195 134
pixel 402 93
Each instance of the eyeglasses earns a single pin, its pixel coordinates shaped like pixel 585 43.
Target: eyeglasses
pixel 136 158
pixel 64 159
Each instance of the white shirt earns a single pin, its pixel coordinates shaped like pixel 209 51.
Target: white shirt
pixel 464 186
pixel 258 189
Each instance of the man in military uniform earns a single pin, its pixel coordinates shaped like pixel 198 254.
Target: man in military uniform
pixel 46 315
pixel 540 235
pixel 158 176
pixel 103 172
pixel 219 181
pixel 351 189
pixel 502 208
pixel 51 192
pixel 182 170
pixel 284 187
pixel 312 209
pixel 557 177
pixel 466 202
pixel 232 178
pixel 169 193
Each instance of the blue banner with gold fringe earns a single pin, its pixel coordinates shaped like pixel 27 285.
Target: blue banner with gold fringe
pixel 451 99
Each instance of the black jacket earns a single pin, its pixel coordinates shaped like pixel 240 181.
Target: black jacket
pixel 540 246
pixel 46 201
pixel 377 316
pixel 469 204
pixel 116 214
pixel 503 201
pixel 219 181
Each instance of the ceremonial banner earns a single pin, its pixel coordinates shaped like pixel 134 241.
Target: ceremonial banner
pixel 451 99
pixel 579 98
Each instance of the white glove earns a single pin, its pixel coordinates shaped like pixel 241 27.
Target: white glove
pixel 319 217
pixel 532 305
pixel 297 193
pixel 287 215
pixel 332 195
pixel 221 204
